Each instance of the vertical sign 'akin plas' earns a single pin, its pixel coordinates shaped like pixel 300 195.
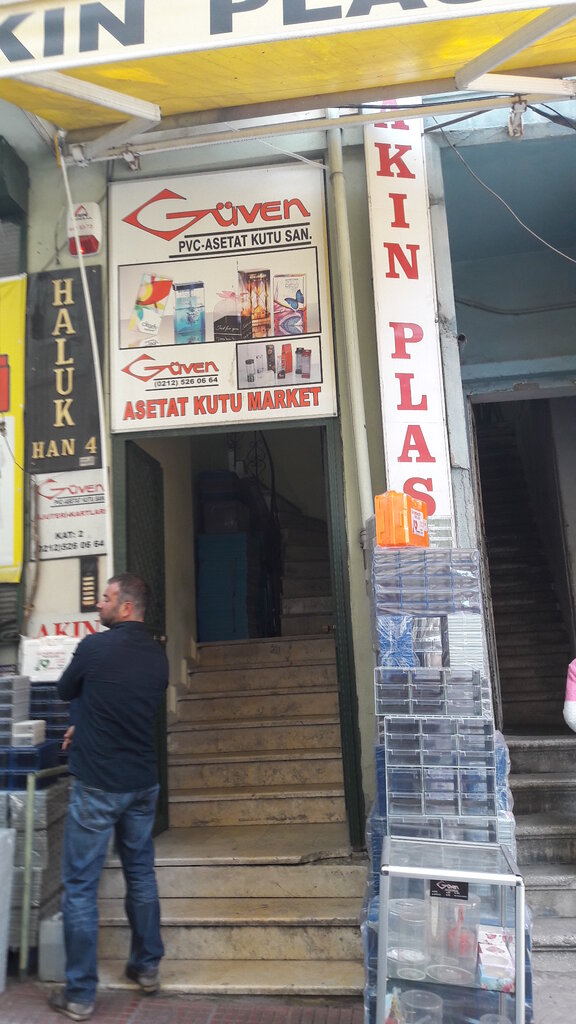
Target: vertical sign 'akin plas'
pixel 63 432
pixel 411 380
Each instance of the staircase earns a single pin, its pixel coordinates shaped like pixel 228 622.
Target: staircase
pixel 307 605
pixel 543 783
pixel 532 641
pixel 260 890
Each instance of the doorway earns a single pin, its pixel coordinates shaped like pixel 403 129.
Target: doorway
pixel 284 485
pixel 524 479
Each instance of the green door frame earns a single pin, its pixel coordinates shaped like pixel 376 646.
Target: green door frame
pixel 349 728
pixel 120 541
pixel 333 459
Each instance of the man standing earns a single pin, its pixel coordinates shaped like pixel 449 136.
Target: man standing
pixel 116 680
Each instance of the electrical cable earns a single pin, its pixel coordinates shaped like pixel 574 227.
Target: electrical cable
pixel 555 116
pixel 513 312
pixel 491 191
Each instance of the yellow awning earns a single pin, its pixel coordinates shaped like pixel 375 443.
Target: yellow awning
pixel 416 57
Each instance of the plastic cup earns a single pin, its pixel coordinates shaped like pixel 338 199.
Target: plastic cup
pixel 421 1007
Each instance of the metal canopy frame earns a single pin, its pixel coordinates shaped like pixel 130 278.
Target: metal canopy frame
pixel 475 87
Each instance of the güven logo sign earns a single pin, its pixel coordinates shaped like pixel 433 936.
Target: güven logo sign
pixel 146 368
pixel 156 214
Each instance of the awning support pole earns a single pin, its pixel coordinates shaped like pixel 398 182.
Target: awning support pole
pixel 344 285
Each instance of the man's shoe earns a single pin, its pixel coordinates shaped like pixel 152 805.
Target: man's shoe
pixel 75 1011
pixel 147 981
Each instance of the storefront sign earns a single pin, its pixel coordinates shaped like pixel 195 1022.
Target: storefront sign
pixel 43 35
pixel 411 381
pixel 12 312
pixel 63 431
pixel 70 514
pixel 225 316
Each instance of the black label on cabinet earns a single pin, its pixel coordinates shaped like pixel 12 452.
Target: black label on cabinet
pixel 449 890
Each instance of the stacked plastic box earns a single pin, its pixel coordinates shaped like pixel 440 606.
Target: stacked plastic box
pixel 441 767
pixel 14 705
pixel 49 817
pixel 46 705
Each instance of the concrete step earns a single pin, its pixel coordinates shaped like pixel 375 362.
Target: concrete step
pixel 518 714
pixel 314 587
pixel 550 663
pixel 230 929
pixel 262 881
pixel 554 637
pixel 547 838
pixel 297 625
pixel 256 768
pixel 272 734
pixel 548 791
pixel 554 943
pixel 318 802
pixel 267 653
pixel 304 535
pixel 541 753
pixel 306 568
pixel 551 889
pixel 308 605
pixel 201 707
pixel 247 977
pixel 306 552
pixel 284 677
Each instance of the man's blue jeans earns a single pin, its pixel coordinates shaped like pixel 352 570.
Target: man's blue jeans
pixel 93 815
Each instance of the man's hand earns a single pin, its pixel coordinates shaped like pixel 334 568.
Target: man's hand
pixel 68 735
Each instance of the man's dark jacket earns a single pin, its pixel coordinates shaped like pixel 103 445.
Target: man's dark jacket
pixel 116 680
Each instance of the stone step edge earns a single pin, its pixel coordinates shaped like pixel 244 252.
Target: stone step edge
pixel 549 877
pixel 309 690
pixel 230 757
pixel 287 722
pixel 539 742
pixel 554 933
pixel 248 977
pixel 236 793
pixel 195 668
pixel 530 826
pixel 260 641
pixel 244 912
pixel 542 780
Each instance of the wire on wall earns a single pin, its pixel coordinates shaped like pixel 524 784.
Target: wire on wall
pixel 95 358
pixel 492 192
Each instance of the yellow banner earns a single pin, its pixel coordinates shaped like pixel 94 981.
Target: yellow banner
pixel 12 320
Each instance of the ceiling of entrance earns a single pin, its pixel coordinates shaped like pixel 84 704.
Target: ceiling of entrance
pixel 535 177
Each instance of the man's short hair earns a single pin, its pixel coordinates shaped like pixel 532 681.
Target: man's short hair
pixel 132 588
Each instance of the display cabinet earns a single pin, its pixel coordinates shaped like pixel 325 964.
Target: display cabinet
pixel 451 927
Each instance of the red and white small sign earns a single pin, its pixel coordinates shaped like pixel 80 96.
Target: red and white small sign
pixel 88 222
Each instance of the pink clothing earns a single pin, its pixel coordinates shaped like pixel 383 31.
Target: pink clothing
pixel 571 681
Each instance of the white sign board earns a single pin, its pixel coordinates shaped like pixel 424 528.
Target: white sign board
pixel 36 36
pixel 219 301
pixel 411 382
pixel 70 514
pixel 44 660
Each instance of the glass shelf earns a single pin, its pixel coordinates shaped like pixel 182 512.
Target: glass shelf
pixel 451 929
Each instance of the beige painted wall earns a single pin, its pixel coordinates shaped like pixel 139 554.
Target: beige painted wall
pixel 181 458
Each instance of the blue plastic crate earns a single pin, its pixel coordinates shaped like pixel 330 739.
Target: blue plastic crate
pixel 17 762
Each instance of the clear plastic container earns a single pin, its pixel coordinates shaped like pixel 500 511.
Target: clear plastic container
pixel 51 953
